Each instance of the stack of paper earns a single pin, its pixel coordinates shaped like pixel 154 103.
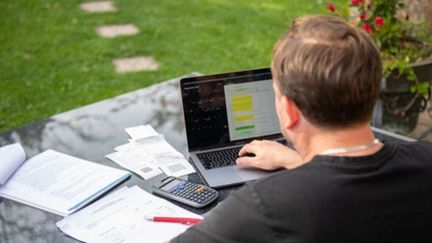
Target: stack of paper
pixel 54 181
pixel 148 154
pixel 121 217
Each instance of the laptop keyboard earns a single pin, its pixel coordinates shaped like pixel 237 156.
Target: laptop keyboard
pixel 220 158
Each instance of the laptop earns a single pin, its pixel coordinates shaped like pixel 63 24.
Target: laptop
pixel 223 112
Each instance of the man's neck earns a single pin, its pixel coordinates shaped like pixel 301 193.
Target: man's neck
pixel 319 140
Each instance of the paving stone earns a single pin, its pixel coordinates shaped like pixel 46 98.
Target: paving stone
pixel 135 64
pixel 111 31
pixel 98 7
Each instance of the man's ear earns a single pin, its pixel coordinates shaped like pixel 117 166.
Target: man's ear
pixel 291 111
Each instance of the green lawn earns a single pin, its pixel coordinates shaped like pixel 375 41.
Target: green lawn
pixel 51 59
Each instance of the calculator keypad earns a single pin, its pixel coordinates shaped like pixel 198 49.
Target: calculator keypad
pixel 194 192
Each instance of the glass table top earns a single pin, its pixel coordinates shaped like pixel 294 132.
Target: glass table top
pixel 91 132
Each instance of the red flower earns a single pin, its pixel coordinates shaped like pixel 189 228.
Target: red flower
pixel 355 2
pixel 331 7
pixel 379 21
pixel 367 28
pixel 363 16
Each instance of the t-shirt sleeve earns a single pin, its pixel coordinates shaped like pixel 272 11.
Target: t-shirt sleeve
pixel 240 218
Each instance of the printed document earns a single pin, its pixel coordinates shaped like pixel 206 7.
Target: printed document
pixel 121 217
pixel 59 183
pixel 148 154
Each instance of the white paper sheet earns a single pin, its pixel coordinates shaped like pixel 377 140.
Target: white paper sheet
pixel 142 131
pixel 60 183
pixel 121 217
pixel 11 157
pixel 141 167
pixel 158 142
pixel 178 167
pixel 151 151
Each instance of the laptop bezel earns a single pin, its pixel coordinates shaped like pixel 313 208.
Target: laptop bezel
pixel 216 77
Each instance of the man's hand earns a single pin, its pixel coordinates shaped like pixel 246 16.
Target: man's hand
pixel 268 155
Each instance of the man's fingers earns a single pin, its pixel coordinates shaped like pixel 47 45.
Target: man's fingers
pixel 243 151
pixel 256 142
pixel 244 161
pixel 249 148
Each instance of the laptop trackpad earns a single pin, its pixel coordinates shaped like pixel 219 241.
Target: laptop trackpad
pixel 232 175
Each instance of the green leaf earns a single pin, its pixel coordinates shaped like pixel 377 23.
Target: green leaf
pixel 421 88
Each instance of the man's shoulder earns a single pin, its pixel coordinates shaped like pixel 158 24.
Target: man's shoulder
pixel 423 147
pixel 413 155
pixel 283 183
pixel 325 175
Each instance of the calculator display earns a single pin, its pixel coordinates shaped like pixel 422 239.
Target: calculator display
pixel 169 186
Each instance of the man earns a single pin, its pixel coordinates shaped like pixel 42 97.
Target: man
pixel 342 184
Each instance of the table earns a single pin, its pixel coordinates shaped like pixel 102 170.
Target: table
pixel 91 132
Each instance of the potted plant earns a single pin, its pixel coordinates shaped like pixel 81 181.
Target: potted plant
pixel 406 51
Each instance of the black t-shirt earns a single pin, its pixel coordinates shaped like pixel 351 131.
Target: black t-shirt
pixel 384 197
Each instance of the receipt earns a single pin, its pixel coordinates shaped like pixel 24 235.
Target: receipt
pixel 150 155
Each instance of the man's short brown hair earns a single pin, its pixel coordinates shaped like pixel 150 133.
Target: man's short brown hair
pixel 331 70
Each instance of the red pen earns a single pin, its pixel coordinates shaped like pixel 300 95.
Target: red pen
pixel 188 221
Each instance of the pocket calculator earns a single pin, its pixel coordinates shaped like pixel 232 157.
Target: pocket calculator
pixel 192 194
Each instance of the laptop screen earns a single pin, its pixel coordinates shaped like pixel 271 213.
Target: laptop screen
pixel 229 108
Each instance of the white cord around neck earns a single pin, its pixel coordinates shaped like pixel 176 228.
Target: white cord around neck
pixel 350 149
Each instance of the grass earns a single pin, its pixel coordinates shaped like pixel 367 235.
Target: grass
pixel 51 59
